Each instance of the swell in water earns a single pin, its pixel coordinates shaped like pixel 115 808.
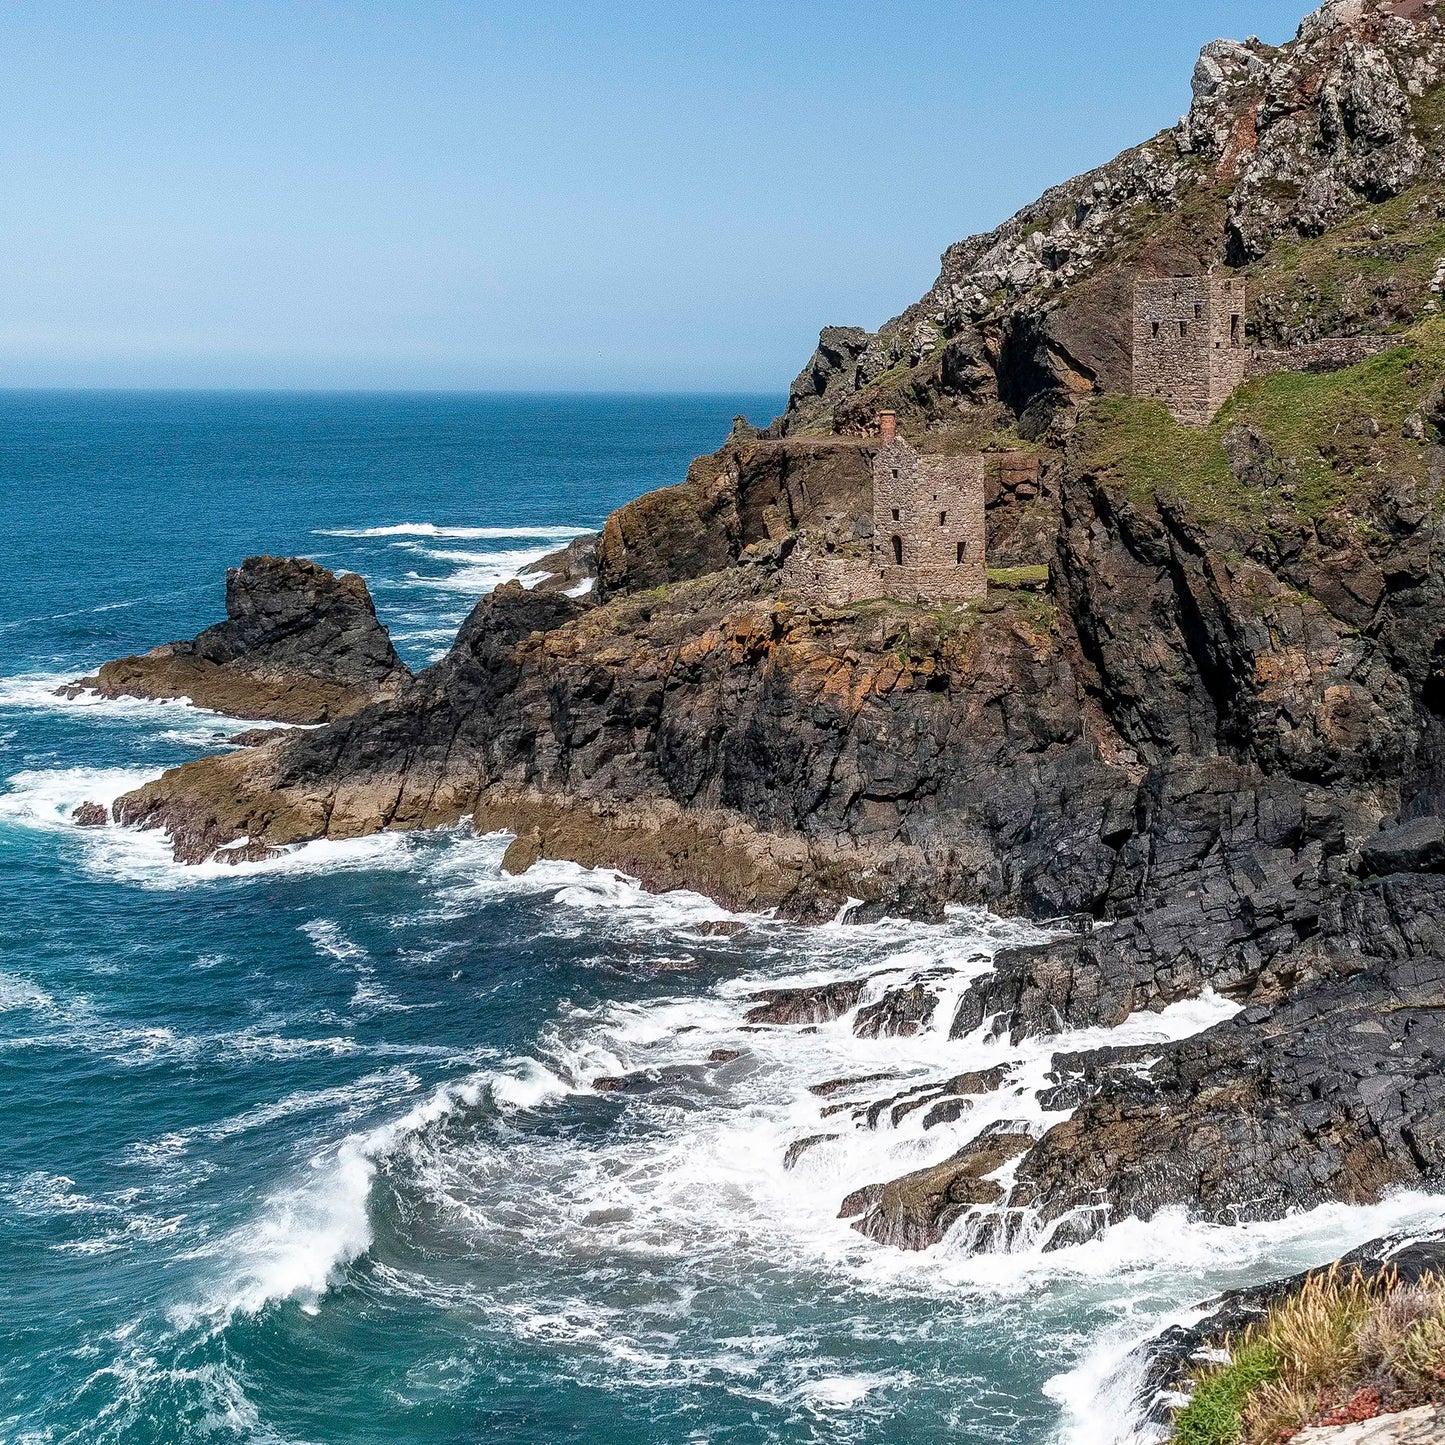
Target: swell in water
pixel 311 1150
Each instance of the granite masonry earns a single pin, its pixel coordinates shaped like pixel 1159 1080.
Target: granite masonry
pixel 1189 343
pixel 929 536
pixel 928 521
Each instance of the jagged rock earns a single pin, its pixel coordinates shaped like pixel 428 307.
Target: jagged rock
pixel 900 1013
pixel 748 494
pixel 91 815
pixel 644 1081
pixel 255 737
pixel 1332 1094
pixel 1417 846
pixel 830 1087
pixel 820 1004
pixel 299 645
pixel 724 1056
pixel 916 1211
pixel 571 569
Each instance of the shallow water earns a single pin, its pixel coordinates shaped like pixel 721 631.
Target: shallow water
pixel 309 1150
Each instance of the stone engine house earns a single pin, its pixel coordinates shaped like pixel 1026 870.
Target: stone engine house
pixel 1189 345
pixel 929 537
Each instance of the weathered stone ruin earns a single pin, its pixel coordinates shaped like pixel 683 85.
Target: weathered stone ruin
pixel 1189 343
pixel 929 539
pixel 929 536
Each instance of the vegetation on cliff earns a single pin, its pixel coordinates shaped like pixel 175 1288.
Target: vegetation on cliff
pixel 1345 1347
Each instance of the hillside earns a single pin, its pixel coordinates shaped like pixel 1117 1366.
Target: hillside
pixel 1213 744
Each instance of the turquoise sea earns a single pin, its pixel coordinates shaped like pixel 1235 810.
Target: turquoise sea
pixel 309 1151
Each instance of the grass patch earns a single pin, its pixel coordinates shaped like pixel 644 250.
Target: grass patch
pixel 1018 578
pixel 1215 1416
pixel 1333 435
pixel 1343 1348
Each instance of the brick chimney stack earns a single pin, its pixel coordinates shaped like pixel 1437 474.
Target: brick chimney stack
pixel 887 426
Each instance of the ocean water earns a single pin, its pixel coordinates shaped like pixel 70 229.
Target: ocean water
pixel 310 1150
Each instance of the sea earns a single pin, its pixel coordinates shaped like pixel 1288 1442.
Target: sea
pixel 311 1150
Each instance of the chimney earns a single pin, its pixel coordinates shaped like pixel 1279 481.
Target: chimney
pixel 887 426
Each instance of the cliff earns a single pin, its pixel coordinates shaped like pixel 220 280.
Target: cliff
pixel 1214 745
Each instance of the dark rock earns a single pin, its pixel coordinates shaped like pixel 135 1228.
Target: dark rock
pixel 1417 846
pixel 916 1211
pixel 91 815
pixel 837 1086
pixel 900 1013
pixel 820 1004
pixel 724 1056
pixel 255 737
pixel 299 645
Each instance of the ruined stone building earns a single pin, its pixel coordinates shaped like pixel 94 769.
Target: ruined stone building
pixel 1189 344
pixel 929 535
pixel 929 538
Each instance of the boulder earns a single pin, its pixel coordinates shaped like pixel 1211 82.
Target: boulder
pixel 817 1005
pixel 1417 846
pixel 916 1211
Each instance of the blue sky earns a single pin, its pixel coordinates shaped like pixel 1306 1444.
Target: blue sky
pixel 619 195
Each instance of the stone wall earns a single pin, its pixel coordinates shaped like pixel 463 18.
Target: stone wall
pixel 1189 343
pixel 929 536
pixel 1334 353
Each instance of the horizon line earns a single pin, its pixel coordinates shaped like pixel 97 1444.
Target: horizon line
pixel 638 392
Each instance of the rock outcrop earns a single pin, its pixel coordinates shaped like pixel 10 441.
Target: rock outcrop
pixel 299 645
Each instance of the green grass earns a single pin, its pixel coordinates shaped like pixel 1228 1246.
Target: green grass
pixel 1370 272
pixel 1018 577
pixel 1321 428
pixel 1215 1416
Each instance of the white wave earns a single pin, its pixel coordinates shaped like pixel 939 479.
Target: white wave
pixel 468 534
pixel 312 1229
pixel 46 799
pixel 1174 1265
pixel 20 993
pixel 844 1392
pixel 175 720
pixel 478 578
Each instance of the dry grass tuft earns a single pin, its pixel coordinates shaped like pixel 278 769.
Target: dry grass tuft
pixel 1342 1349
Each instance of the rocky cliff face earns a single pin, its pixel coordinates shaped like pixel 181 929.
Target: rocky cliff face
pixel 299 645
pixel 1280 146
pixel 1214 745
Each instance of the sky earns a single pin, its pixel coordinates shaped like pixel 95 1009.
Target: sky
pixel 579 195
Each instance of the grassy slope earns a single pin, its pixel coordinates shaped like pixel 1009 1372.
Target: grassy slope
pixel 1342 1349
pixel 1334 435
